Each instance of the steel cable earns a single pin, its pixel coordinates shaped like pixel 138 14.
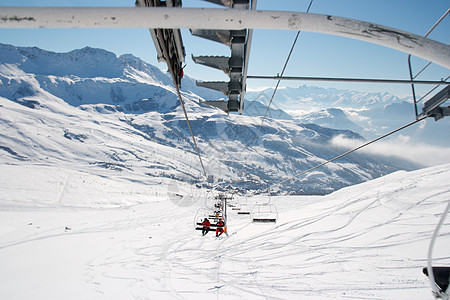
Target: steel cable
pixel 279 80
pixel 175 83
pixel 348 152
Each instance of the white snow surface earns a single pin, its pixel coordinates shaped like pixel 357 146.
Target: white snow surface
pixel 86 234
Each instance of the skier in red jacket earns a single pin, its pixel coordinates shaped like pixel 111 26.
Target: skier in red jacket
pixel 206 226
pixel 219 229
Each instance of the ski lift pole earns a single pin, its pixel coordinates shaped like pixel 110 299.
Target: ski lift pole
pixel 225 219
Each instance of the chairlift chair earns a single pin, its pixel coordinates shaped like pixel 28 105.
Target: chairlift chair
pixel 264 213
pixel 209 199
pixel 234 204
pixel 244 207
pixel 216 215
pixel 203 213
pixel 441 278
pixel 244 211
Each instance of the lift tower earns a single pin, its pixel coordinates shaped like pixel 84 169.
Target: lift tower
pixel 234 66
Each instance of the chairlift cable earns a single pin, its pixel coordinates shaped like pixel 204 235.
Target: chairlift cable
pixel 348 152
pixel 175 83
pixel 428 33
pixel 423 69
pixel 279 80
pixel 429 92
pixel 191 131
pixel 437 22
pixel 347 79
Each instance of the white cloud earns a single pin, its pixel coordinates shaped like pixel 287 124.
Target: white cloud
pixel 355 116
pixel 404 138
pixel 400 147
pixel 258 88
pixel 262 88
pixel 299 113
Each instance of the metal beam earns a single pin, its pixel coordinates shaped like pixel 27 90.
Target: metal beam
pixel 365 80
pixel 246 59
pixel 431 107
pixel 232 19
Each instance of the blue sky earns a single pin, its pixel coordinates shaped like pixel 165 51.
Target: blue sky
pixel 314 55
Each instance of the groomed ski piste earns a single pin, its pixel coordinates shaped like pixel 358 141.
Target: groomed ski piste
pixel 68 234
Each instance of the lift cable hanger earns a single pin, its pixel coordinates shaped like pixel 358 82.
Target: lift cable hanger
pixel 413 77
pixel 432 90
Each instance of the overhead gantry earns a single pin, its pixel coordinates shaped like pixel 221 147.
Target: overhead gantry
pixel 234 66
pixel 219 19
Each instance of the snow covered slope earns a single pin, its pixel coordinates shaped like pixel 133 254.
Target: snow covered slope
pixel 78 235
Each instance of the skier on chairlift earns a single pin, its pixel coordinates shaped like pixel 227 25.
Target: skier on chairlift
pixel 206 226
pixel 219 229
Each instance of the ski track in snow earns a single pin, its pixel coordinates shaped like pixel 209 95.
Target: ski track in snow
pixel 368 241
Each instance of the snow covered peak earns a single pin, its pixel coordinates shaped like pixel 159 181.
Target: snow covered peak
pixel 311 96
pixel 87 76
pixel 90 51
pixel 87 62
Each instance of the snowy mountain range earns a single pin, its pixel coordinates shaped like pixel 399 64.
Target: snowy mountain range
pixel 367 113
pixel 90 109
